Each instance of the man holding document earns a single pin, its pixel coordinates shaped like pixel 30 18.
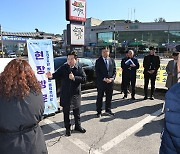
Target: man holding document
pixel 129 66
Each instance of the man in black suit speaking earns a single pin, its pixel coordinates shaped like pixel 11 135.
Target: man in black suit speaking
pixel 71 76
pixel 105 73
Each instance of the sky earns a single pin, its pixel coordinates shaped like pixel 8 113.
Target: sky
pixel 49 15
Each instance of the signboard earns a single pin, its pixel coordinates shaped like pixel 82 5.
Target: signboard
pixel 76 10
pixel 14 38
pixel 40 55
pixel 75 34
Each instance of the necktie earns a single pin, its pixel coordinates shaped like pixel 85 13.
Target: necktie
pixel 106 63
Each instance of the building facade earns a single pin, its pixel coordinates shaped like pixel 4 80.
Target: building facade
pixel 15 42
pixel 121 35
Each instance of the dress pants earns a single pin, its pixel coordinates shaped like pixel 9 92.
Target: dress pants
pixel 127 81
pixel 148 77
pixel 106 88
pixel 76 113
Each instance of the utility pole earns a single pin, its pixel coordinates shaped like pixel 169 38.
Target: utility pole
pixel 2 52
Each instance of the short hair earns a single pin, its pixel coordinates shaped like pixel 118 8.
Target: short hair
pixel 104 48
pixel 72 53
pixel 151 48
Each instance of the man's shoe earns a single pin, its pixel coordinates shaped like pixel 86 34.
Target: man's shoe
pixel 125 97
pixel 80 129
pixel 151 98
pixel 109 113
pixel 145 98
pixel 98 115
pixel 133 98
pixel 68 132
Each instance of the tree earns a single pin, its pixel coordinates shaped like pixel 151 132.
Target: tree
pixel 160 19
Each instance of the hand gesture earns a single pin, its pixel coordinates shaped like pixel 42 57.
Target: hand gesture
pixel 71 76
pixel 49 75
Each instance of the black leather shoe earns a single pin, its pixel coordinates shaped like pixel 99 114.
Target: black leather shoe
pixel 98 115
pixel 145 98
pixel 80 129
pixel 151 98
pixel 133 98
pixel 125 97
pixel 68 132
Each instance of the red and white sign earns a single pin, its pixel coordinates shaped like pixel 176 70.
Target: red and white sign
pixel 77 10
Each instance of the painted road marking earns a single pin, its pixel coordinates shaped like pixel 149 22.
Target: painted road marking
pixel 127 133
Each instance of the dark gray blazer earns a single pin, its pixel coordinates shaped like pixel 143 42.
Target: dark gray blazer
pixel 102 72
pixel 19 129
pixel 171 80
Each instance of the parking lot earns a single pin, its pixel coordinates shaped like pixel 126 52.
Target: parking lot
pixel 135 128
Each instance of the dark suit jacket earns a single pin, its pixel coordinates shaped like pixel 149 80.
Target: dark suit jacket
pixel 102 72
pixel 127 70
pixel 70 92
pixel 147 61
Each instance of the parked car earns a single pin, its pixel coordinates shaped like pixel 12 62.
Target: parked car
pixel 12 55
pixel 86 63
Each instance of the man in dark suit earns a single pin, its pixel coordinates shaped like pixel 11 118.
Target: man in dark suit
pixel 105 73
pixel 151 65
pixel 129 66
pixel 71 76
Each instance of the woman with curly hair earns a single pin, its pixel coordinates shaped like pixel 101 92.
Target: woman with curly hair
pixel 21 109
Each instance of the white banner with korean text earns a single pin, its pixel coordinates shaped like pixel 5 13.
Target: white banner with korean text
pixel 40 56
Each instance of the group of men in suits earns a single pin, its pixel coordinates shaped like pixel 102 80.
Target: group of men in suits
pixel 72 76
pixel 129 65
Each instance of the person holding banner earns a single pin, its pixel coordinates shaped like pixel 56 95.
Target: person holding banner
pixel 21 109
pixel 129 66
pixel 151 64
pixel 71 76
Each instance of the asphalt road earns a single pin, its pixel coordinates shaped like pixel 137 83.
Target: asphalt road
pixel 135 128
